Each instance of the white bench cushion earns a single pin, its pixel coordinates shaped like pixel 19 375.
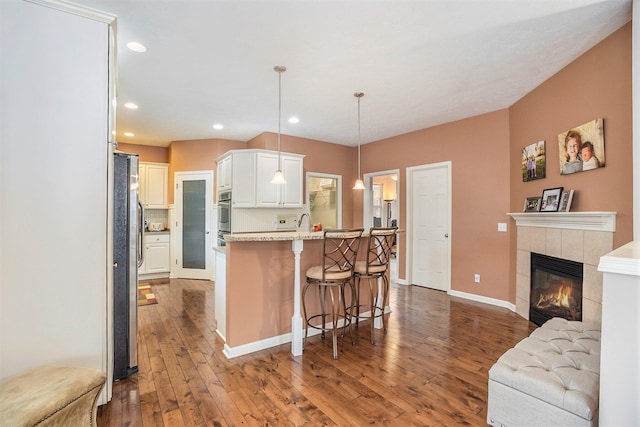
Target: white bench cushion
pixel 559 363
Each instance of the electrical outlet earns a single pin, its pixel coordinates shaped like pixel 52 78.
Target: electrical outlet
pixel 502 226
pixel 476 278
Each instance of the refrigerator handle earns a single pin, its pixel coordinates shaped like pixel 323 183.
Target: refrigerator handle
pixel 140 233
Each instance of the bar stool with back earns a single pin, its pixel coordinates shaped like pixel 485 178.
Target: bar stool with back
pixel 372 268
pixel 339 252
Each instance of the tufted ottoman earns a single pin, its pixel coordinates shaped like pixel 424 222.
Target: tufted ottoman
pixel 550 378
pixel 51 396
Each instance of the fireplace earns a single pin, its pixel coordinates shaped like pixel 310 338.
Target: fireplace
pixel 556 289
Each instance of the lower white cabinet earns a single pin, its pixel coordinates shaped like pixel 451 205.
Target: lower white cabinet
pixel 156 249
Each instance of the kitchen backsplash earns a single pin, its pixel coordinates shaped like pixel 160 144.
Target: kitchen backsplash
pixel 263 219
pixel 157 215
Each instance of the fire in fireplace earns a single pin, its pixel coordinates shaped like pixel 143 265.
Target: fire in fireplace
pixel 556 289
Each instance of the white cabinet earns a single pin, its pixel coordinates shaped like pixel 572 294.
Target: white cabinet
pixel 243 179
pixel 224 170
pixel 271 195
pixel 156 249
pixel 154 185
pixel 248 174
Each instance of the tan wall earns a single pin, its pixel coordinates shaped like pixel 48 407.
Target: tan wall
pixel 146 153
pixel 480 193
pixel 198 155
pixel 597 84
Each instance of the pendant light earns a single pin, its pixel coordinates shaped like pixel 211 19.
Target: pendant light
pixel 278 177
pixel 359 183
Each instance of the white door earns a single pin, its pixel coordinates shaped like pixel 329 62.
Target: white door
pixel 194 246
pixel 430 209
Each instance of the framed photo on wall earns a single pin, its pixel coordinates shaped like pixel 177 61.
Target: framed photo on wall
pixel 582 148
pixel 532 204
pixel 534 162
pixel 551 199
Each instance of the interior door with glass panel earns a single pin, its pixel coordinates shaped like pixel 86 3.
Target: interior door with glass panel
pixel 194 195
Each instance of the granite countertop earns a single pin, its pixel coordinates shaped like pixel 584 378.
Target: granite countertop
pixel 165 231
pixel 270 236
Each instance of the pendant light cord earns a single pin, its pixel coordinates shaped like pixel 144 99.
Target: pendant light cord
pixel 359 138
pixel 279 115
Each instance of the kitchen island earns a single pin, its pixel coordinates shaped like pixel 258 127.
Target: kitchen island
pixel 258 295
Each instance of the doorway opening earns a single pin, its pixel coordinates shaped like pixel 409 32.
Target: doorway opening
pixel 381 207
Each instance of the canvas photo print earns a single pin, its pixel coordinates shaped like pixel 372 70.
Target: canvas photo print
pixel 533 162
pixel 582 148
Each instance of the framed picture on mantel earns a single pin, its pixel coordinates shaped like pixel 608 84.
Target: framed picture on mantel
pixel 551 199
pixel 565 201
pixel 532 204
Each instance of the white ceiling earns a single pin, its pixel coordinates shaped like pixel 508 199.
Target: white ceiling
pixel 419 63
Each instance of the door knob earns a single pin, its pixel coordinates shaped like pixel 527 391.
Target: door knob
pixel 446 235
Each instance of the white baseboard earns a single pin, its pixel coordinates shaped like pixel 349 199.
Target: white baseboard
pixel 485 300
pixel 241 350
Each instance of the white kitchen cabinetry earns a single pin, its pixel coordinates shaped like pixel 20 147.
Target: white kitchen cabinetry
pixel 243 179
pixel 154 185
pixel 250 174
pixel 286 195
pixel 156 254
pixel 224 173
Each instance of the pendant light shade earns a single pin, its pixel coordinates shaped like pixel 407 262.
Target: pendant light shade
pixel 359 185
pixel 278 177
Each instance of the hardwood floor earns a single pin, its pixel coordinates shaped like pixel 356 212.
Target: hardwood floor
pixel 430 369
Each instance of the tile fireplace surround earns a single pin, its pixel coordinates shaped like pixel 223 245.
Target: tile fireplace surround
pixel 577 236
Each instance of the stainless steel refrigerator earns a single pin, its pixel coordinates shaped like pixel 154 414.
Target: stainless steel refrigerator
pixel 127 257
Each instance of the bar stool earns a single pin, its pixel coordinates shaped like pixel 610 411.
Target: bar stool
pixel 372 268
pixel 339 252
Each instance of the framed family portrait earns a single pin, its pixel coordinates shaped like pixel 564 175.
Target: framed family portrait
pixel 534 163
pixel 582 148
pixel 532 204
pixel 551 199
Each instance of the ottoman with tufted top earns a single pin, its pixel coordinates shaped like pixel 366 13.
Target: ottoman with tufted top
pixel 51 396
pixel 550 378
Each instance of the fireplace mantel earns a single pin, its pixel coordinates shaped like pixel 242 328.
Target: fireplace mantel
pixel 591 221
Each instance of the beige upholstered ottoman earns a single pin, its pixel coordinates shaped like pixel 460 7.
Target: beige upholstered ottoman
pixel 551 378
pixel 51 396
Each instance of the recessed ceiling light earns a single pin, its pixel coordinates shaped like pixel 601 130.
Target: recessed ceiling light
pixel 137 47
pixel 131 106
pixel 218 126
pixel 294 120
pixel 129 134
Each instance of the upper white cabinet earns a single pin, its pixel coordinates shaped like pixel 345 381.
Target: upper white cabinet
pixel 243 173
pixel 271 195
pixel 248 174
pixel 154 185
pixel 224 173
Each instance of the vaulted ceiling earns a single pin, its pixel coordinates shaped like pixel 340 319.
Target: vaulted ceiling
pixel 419 63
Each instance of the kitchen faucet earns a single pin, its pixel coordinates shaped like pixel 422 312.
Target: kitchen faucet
pixel 301 218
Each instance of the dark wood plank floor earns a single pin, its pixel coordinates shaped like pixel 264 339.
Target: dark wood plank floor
pixel 430 369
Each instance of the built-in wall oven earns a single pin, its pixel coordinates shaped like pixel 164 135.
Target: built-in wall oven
pixel 224 216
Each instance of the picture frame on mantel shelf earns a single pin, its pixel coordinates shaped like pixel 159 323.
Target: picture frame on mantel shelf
pixel 551 199
pixel 565 201
pixel 532 204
